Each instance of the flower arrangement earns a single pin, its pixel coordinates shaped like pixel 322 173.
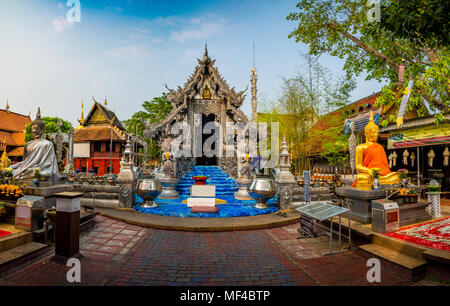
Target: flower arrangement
pixel 36 173
pixel 7 172
pixel 403 173
pixel 376 172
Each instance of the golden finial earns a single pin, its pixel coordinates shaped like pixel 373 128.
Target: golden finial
pixel 7 105
pixel 106 103
pixel 371 125
pixel 81 121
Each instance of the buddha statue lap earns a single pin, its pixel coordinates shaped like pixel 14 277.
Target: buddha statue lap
pixel 38 153
pixel 370 155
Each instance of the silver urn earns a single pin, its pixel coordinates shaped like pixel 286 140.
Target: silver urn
pixel 148 189
pixel 262 189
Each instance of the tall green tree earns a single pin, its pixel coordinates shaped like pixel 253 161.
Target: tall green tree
pixel 154 111
pixel 50 127
pixel 342 28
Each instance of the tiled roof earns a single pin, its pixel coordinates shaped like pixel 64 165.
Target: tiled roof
pixel 92 133
pixel 10 121
pixel 19 138
pixel 7 138
pixel 329 126
pixel 16 151
pixel 110 115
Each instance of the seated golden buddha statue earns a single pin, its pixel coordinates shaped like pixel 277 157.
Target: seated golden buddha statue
pixel 370 155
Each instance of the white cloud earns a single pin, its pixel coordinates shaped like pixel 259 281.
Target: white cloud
pixel 61 23
pixel 203 30
pixel 129 52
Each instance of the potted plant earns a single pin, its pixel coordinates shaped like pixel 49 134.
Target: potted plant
pixel 200 179
pixel 404 177
pixel 36 176
pixel 7 174
pixel 376 175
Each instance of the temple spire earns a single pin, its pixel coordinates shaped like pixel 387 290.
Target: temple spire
pixel 253 79
pixel 7 105
pixel 82 116
pixel 105 103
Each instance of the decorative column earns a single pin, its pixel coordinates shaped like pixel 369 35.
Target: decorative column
pixel 126 178
pixel 253 80
pixel 244 179
pixel 69 159
pixel 434 199
pixel 285 180
pixel 168 179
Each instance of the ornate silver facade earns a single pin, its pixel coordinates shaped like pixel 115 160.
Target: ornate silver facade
pixel 205 95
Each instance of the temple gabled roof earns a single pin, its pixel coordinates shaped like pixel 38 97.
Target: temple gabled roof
pixel 194 86
pixel 10 121
pixel 100 115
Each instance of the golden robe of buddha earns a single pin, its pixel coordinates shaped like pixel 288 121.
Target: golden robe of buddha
pixel 5 162
pixel 370 155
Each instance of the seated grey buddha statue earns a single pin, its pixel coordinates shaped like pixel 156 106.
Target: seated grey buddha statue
pixel 38 153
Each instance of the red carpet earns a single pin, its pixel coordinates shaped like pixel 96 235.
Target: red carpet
pixel 4 233
pixel 434 234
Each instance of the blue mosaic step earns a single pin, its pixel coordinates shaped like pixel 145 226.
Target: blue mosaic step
pixel 225 185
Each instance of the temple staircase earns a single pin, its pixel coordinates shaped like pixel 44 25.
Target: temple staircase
pixel 225 185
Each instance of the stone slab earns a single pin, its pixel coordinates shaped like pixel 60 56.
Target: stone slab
pixel 204 209
pixel 203 191
pixel 203 202
pixel 47 191
pixel 361 209
pixel 351 192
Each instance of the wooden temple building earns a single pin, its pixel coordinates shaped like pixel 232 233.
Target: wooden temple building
pixel 100 140
pixel 332 131
pixel 12 133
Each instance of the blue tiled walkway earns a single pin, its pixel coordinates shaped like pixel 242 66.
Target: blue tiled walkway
pixel 225 189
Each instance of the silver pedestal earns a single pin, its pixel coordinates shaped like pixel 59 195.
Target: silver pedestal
pixel 242 193
pixel 262 189
pixel 168 188
pixel 148 189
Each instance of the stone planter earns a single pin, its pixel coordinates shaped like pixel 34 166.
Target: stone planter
pixel 242 193
pixel 148 189
pixel 200 180
pixel 262 189
pixel 168 188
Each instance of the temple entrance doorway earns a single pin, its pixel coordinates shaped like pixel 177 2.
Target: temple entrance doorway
pixel 204 160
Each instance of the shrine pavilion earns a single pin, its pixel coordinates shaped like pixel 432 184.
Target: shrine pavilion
pixel 100 140
pixel 12 133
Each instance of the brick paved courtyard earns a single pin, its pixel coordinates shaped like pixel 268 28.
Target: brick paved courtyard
pixel 116 253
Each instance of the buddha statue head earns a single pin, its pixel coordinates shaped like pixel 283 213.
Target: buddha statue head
pixel 371 130
pixel 37 126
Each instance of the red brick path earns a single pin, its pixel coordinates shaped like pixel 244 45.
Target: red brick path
pixel 116 253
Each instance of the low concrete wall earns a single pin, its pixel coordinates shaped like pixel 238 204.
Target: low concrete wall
pixel 98 195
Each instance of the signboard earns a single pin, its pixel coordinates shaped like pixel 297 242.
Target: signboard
pixel 82 150
pixel 427 135
pixel 307 186
pixel 204 202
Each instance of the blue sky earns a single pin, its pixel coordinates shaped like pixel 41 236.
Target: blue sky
pixel 127 50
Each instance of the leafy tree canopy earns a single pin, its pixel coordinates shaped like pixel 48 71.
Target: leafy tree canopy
pixel 50 127
pixel 154 111
pixel 342 29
